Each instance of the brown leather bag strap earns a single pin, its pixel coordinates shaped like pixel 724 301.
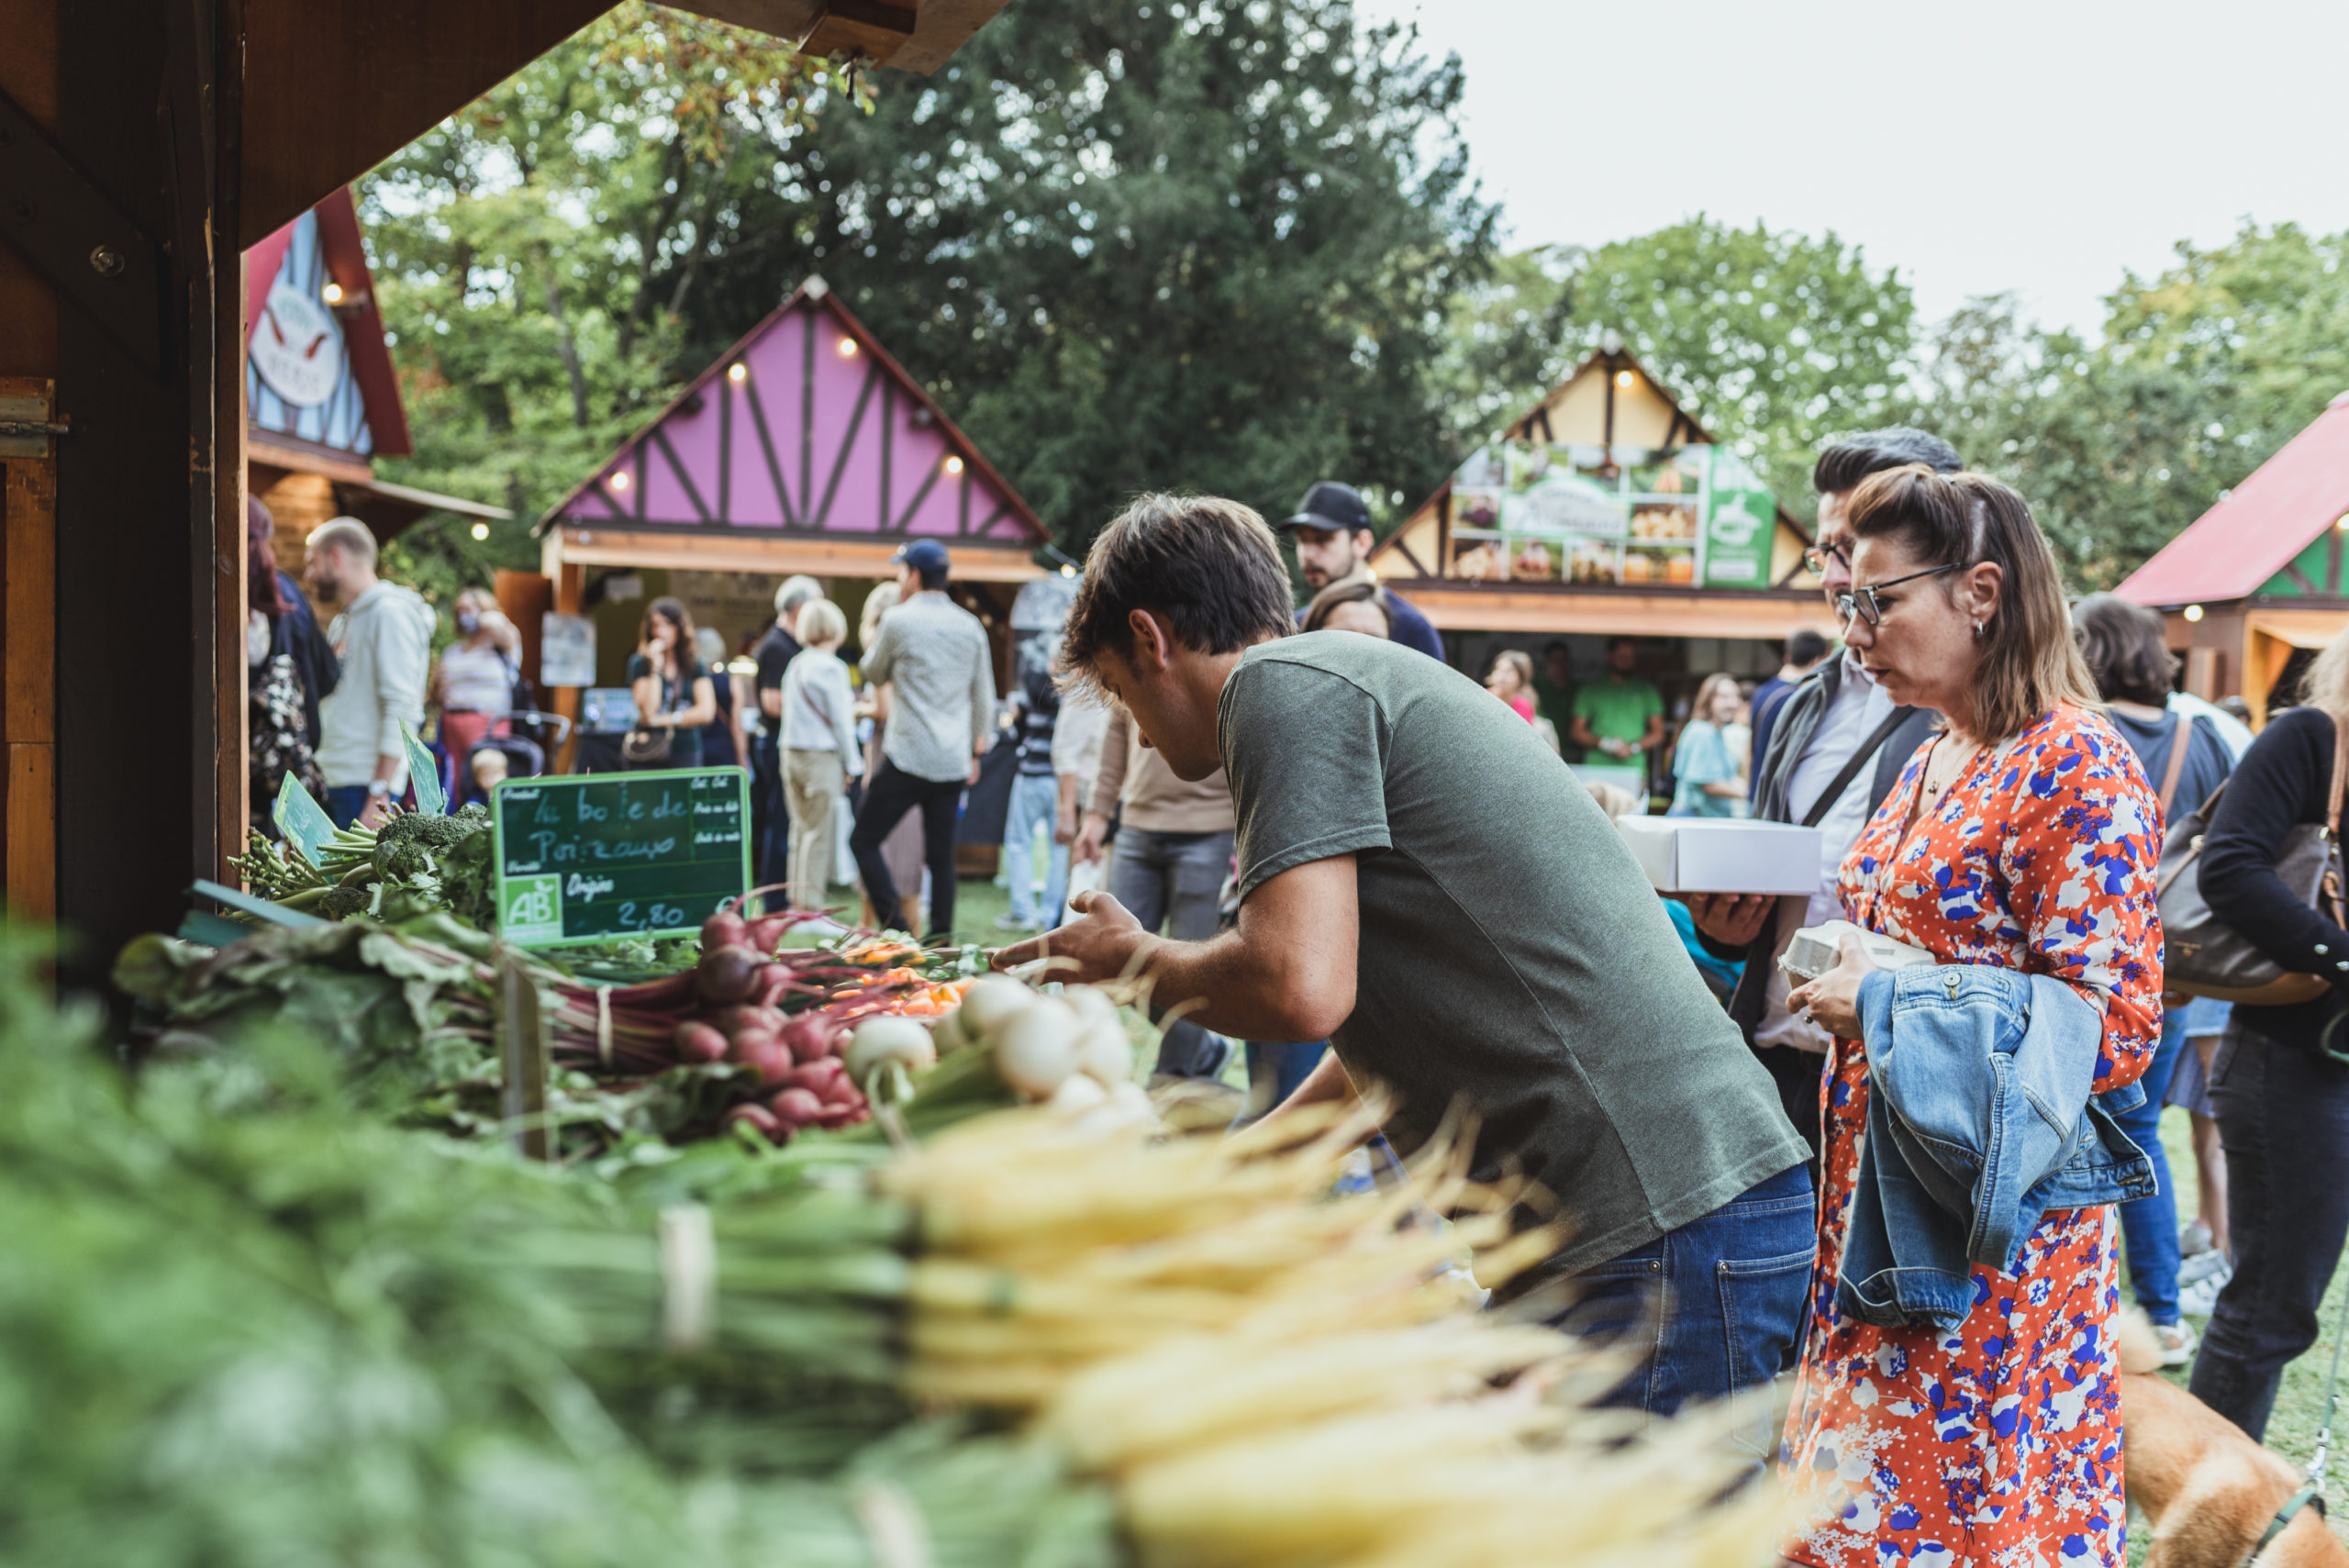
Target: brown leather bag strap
pixel 2182 737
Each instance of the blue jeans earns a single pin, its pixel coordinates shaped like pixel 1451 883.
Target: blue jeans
pixel 1288 1065
pixel 2283 1115
pixel 345 802
pixel 1715 1307
pixel 1035 804
pixel 1173 878
pixel 2149 1225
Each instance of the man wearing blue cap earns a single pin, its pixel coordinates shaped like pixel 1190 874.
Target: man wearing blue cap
pixel 934 654
pixel 1332 533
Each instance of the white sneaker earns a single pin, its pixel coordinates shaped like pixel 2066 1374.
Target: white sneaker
pixel 2179 1341
pixel 2200 1265
pixel 2194 1239
pixel 2200 1297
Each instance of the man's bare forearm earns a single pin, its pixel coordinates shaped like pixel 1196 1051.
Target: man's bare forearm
pixel 1235 990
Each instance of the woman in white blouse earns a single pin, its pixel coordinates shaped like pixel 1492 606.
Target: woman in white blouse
pixel 820 751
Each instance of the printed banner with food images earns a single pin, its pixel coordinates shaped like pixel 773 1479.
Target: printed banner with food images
pixel 1684 516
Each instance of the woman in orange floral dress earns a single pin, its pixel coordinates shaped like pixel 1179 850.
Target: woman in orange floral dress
pixel 2023 836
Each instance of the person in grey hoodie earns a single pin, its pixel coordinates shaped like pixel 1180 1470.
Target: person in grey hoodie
pixel 383 637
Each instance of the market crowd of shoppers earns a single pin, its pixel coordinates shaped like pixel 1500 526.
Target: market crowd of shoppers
pixel 770 817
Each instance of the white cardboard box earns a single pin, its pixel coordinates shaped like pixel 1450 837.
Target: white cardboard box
pixel 1713 854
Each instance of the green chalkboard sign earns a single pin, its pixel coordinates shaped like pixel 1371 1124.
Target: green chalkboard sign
pixel 590 857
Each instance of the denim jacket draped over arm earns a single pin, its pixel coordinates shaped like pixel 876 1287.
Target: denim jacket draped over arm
pixel 1980 1120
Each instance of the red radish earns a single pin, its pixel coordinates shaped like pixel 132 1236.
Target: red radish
pixel 775 1129
pixel 796 1107
pixel 726 974
pixel 699 1043
pixel 739 1022
pixel 724 929
pixel 812 1035
pixel 844 1116
pixel 766 1056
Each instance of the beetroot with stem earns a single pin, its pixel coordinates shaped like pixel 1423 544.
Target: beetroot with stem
pixel 813 1035
pixel 764 1055
pixel 726 929
pixel 727 975
pixel 739 1021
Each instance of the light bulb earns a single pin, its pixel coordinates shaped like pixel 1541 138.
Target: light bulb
pixel 331 294
pixel 953 465
pixel 619 480
pixel 1068 570
pixel 738 373
pixel 1625 380
pixel 848 348
pixel 2193 611
pixel 481 531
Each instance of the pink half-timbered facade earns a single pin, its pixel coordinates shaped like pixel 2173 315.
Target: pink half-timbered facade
pixel 805 448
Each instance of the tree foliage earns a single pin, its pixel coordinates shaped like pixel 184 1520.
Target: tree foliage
pixel 1159 245
pixel 536 252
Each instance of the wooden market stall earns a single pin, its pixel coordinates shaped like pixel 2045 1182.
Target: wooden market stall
pixel 805 448
pixel 144 145
pixel 2259 578
pixel 1606 511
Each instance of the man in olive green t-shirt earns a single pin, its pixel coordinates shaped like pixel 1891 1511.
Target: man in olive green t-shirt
pixel 1619 713
pixel 1424 882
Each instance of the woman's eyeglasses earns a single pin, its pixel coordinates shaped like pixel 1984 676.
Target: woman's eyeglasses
pixel 1865 601
pixel 1816 558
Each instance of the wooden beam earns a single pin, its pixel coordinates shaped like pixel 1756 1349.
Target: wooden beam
pixel 781 555
pixel 28 682
pixel 1697 613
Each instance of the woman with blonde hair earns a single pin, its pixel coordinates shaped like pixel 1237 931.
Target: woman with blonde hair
pixel 2279 1083
pixel 1711 781
pixel 820 751
pixel 1958 1400
pixel 473 683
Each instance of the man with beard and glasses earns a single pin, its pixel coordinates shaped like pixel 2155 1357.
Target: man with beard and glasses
pixel 383 636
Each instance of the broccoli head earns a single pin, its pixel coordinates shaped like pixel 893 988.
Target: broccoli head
pixel 341 903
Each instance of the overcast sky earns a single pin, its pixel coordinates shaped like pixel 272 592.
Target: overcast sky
pixel 2041 146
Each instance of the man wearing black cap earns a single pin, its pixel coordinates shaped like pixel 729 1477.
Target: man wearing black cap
pixel 1332 532
pixel 942 720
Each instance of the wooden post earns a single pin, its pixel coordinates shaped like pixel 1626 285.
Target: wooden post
pixel 522 1057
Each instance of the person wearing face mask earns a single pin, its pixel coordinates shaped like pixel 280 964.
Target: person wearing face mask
pixel 383 636
pixel 1835 748
pixel 473 683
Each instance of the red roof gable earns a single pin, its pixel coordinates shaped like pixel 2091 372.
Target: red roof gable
pixel 2231 550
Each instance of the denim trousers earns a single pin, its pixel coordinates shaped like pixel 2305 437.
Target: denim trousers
pixel 1035 807
pixel 770 817
pixel 1715 1308
pixel 1174 879
pixel 2283 1115
pixel 2149 1225
pixel 888 795
pixel 345 802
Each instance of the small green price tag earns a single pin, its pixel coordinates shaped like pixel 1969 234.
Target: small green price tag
pixel 300 820
pixel 423 774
